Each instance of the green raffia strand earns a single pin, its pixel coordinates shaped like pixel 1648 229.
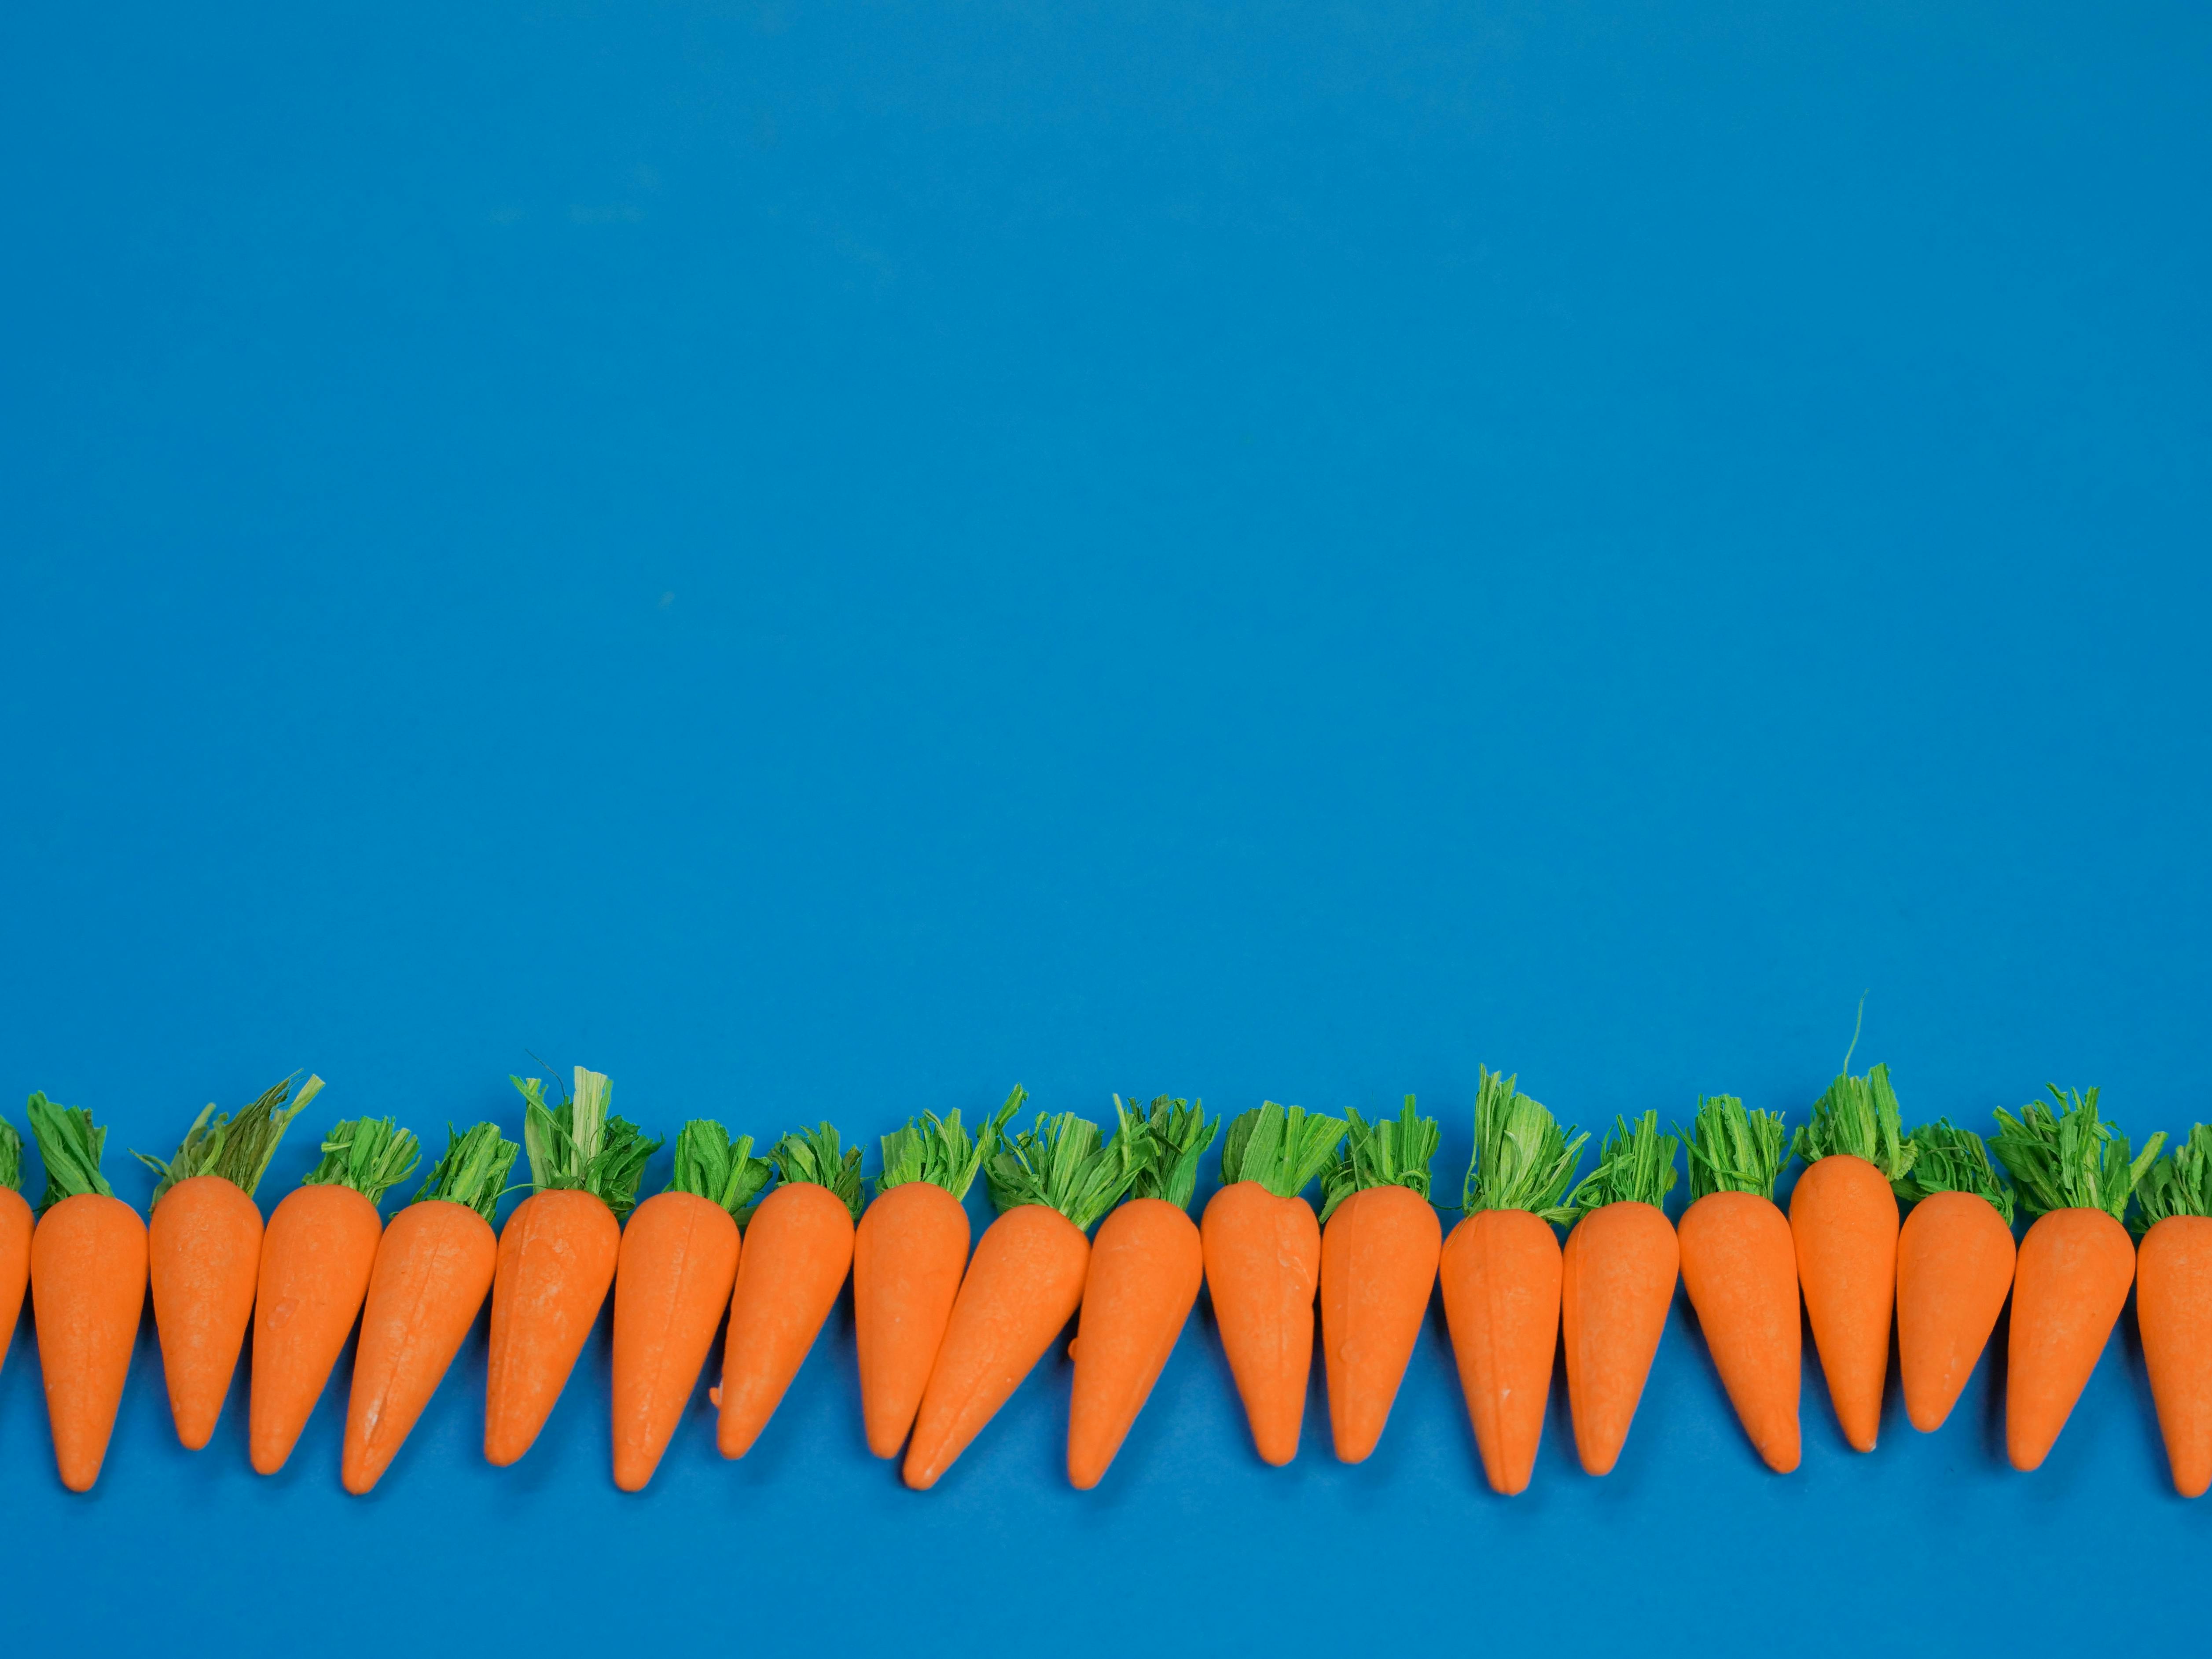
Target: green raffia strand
pixel 712 1166
pixel 1949 1159
pixel 1858 1115
pixel 69 1145
pixel 576 1147
pixel 1635 1165
pixel 1281 1147
pixel 2180 1183
pixel 11 1157
pixel 2069 1160
pixel 1734 1151
pixel 1385 1153
pixel 1181 1133
pixel 1523 1159
pixel 474 1169
pixel 236 1147
pixel 815 1155
pixel 1061 1162
pixel 936 1149
pixel 371 1155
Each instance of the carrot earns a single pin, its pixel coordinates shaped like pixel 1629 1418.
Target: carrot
pixel 1263 1264
pixel 1842 1220
pixel 798 1247
pixel 1147 1264
pixel 1617 1282
pixel 2076 1262
pixel 672 1279
pixel 1051 1184
pixel 204 1250
pixel 1954 1260
pixel 556 1255
pixel 88 1287
pixel 1380 1241
pixel 1740 1266
pixel 2173 1304
pixel 14 1235
pixel 433 1266
pixel 908 1257
pixel 316 1256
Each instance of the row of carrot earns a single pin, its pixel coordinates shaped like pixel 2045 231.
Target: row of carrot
pixel 943 1338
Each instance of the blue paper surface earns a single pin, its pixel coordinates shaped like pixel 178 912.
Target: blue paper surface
pixel 824 560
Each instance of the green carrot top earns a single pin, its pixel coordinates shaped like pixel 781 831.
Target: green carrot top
pixel 1061 1162
pixel 371 1155
pixel 1734 1151
pixel 576 1147
pixel 1858 1115
pixel 1523 1159
pixel 1385 1153
pixel 1281 1147
pixel 815 1155
pixel 1636 1165
pixel 2180 1183
pixel 69 1145
pixel 474 1169
pixel 236 1147
pixel 1949 1159
pixel 938 1149
pixel 712 1166
pixel 2069 1160
pixel 1181 1133
pixel 11 1157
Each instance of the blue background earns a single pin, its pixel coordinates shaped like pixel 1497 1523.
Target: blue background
pixel 823 559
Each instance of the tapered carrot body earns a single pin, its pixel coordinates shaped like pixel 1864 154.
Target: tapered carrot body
pixel 1739 1267
pixel 87 1285
pixel 679 1263
pixel 555 1265
pixel 1145 1266
pixel 1844 1227
pixel 1616 1282
pixel 16 1226
pixel 316 1253
pixel 909 1255
pixel 1378 1267
pixel 2173 1305
pixel 1501 1275
pixel 796 1253
pixel 2074 1270
pixel 1262 1254
pixel 204 1248
pixel 1954 1269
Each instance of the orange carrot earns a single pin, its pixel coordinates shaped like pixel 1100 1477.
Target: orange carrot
pixel 1740 1266
pixel 1262 1248
pixel 908 1257
pixel 1954 1261
pixel 556 1255
pixel 1617 1282
pixel 1050 1185
pixel 1500 1270
pixel 433 1268
pixel 1380 1242
pixel 1147 1264
pixel 2076 1263
pixel 678 1261
pixel 204 1250
pixel 2173 1305
pixel 88 1286
pixel 1843 1221
pixel 798 1247
pixel 14 1235
pixel 316 1256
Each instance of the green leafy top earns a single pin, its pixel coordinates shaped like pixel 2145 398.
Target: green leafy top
pixel 69 1145
pixel 712 1166
pixel 1385 1153
pixel 1634 1166
pixel 236 1147
pixel 1061 1162
pixel 474 1169
pixel 1181 1133
pixel 369 1154
pixel 2069 1160
pixel 1523 1159
pixel 576 1146
pixel 1858 1115
pixel 2180 1183
pixel 1946 1158
pixel 11 1157
pixel 815 1155
pixel 1281 1147
pixel 1734 1151
pixel 936 1149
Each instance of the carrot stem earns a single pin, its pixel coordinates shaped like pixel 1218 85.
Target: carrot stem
pixel 577 1146
pixel 1635 1165
pixel 2179 1184
pixel 1523 1158
pixel 1381 1154
pixel 473 1170
pixel 1181 1133
pixel 11 1157
pixel 1062 1163
pixel 2070 1159
pixel 817 1155
pixel 939 1151
pixel 1282 1148
pixel 368 1155
pixel 236 1147
pixel 1858 1116
pixel 1949 1159
pixel 69 1146
pixel 711 1165
pixel 1734 1151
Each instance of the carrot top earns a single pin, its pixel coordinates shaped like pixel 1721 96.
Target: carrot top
pixel 474 1169
pixel 2180 1183
pixel 371 1155
pixel 577 1146
pixel 936 1149
pixel 236 1147
pixel 1523 1159
pixel 1179 1132
pixel 69 1145
pixel 1949 1159
pixel 1061 1162
pixel 1858 1115
pixel 1385 1153
pixel 712 1166
pixel 2069 1160
pixel 11 1156
pixel 1734 1151
pixel 1281 1147
pixel 814 1155
pixel 1634 1166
